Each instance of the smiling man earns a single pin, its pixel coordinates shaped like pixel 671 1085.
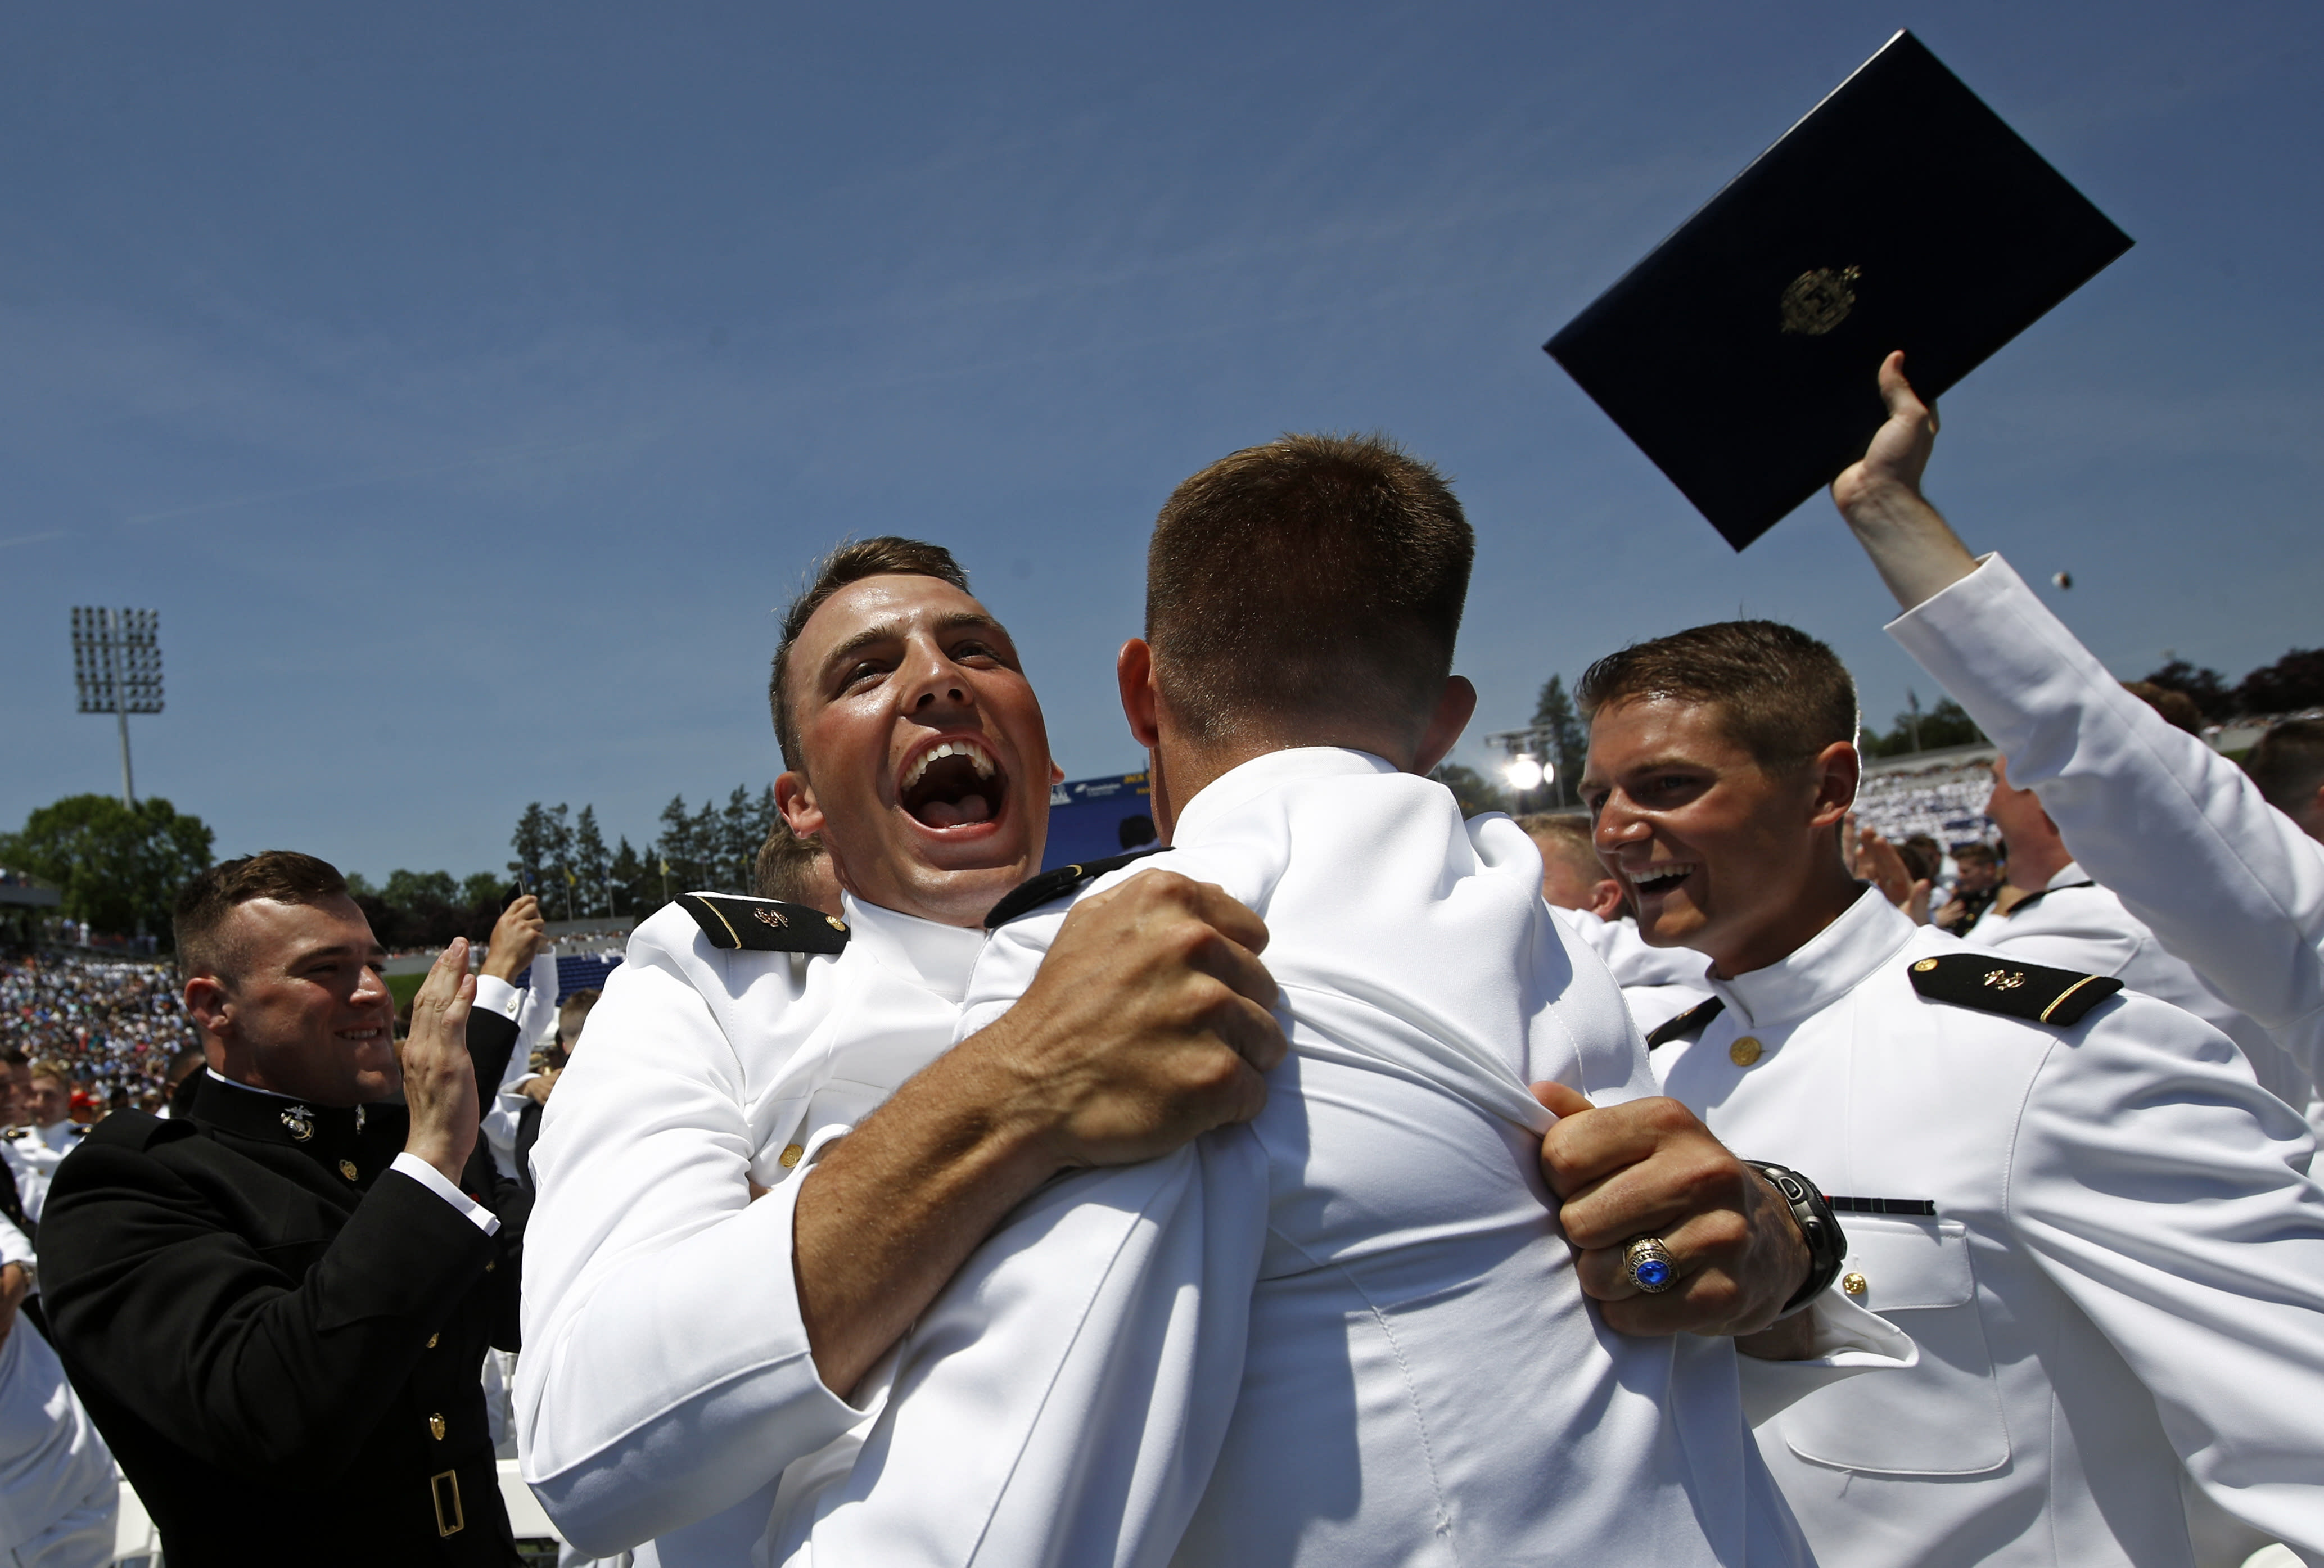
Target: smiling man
pixel 2076 1199
pixel 686 1344
pixel 276 1307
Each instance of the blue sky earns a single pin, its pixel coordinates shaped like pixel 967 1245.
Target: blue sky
pixel 467 387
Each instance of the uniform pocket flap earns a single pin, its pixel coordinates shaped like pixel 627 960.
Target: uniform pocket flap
pixel 1901 1265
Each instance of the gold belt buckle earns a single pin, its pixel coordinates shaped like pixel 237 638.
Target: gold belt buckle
pixel 449 1521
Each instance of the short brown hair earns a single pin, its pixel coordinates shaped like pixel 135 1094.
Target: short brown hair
pixel 854 560
pixel 1781 695
pixel 2288 765
pixel 784 860
pixel 1983 853
pixel 2177 708
pixel 1568 834
pixel 283 875
pixel 54 1071
pixel 1316 574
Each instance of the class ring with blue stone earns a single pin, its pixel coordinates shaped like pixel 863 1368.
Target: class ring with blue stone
pixel 1650 1265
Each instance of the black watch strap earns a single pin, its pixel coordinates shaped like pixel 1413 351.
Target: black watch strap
pixel 1819 1228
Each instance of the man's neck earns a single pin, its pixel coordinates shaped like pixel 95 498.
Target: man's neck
pixel 1191 767
pixel 1801 921
pixel 2037 866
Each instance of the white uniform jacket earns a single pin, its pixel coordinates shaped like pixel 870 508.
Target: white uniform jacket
pixel 2074 924
pixel 34 1154
pixel 665 1377
pixel 533 1008
pixel 1658 983
pixel 52 1461
pixel 1349 1333
pixel 2125 1269
pixel 2179 833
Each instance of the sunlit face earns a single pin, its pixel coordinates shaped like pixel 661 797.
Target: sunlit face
pixel 17 1093
pixel 51 1100
pixel 2024 826
pixel 306 1012
pixel 1713 850
pixel 927 765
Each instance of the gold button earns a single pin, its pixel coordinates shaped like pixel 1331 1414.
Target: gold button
pixel 790 1155
pixel 488 1266
pixel 1854 1284
pixel 1925 966
pixel 1744 1051
pixel 432 1339
pixel 347 1169
pixel 436 1427
pixel 836 923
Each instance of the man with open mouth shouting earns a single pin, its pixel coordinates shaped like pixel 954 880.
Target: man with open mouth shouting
pixel 684 1343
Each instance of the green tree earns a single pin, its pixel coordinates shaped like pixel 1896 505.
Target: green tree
pixel 1568 739
pixel 483 888
pixel 636 883
pixel 532 842
pixel 1945 725
pixel 589 862
pixel 119 867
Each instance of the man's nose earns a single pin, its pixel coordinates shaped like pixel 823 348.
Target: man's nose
pixel 1617 825
pixel 936 681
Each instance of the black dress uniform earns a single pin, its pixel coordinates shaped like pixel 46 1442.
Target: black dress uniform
pixel 279 1337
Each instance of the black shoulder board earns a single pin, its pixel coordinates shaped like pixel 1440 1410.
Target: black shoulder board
pixel 1691 1021
pixel 1051 886
pixel 732 921
pixel 2027 990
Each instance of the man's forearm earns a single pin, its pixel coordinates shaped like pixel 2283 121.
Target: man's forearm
pixel 1916 551
pixel 892 1212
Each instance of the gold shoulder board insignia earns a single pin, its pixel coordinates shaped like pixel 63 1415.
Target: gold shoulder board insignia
pixel 1817 301
pixel 733 922
pixel 2028 991
pixel 1051 886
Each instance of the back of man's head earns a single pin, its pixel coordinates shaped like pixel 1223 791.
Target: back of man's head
pixel 2177 708
pixel 1314 578
pixel 887 555
pixel 1566 847
pixel 573 1013
pixel 2288 766
pixel 790 868
pixel 209 900
pixel 1781 696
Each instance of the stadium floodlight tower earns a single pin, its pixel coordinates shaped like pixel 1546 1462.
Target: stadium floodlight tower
pixel 117 666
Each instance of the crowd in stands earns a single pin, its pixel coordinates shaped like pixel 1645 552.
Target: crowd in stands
pixel 113 1023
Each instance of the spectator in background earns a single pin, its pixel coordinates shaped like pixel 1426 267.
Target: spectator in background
pixel 1657 984
pixel 796 870
pixel 48 1133
pixel 1977 882
pixel 2288 766
pixel 2177 708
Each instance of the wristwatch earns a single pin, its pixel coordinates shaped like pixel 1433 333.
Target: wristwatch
pixel 1819 1228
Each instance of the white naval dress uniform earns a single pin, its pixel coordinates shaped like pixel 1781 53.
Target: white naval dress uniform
pixel 2072 923
pixel 2178 833
pixel 2125 1270
pixel 34 1154
pixel 1658 983
pixel 533 1008
pixel 666 1379
pixel 1349 1333
pixel 60 1493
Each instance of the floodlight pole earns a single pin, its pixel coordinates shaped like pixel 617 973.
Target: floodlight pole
pixel 120 706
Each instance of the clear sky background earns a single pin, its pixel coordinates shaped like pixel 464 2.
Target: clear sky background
pixel 469 386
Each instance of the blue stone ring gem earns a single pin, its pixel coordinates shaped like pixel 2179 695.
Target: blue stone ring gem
pixel 1650 1265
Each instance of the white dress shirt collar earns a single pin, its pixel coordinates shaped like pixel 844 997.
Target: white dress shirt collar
pixel 1822 970
pixel 2070 875
pixel 935 958
pixel 1247 782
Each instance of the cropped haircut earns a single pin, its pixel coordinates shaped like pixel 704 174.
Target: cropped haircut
pixel 283 875
pixel 2288 765
pixel 785 863
pixel 1780 694
pixel 885 557
pixel 2177 708
pixel 54 1071
pixel 1568 835
pixel 1314 576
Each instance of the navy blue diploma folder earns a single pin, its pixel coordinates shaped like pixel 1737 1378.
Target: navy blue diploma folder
pixel 1742 354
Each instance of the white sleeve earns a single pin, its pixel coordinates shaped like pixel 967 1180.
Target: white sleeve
pixel 2176 831
pixel 429 1176
pixel 2162 1190
pixel 665 1374
pixel 16 1247
pixel 1062 1404
pixel 535 1010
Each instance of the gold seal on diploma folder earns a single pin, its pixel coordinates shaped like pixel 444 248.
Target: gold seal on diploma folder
pixel 1901 212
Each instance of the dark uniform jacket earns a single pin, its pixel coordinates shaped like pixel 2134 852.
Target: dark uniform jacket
pixel 281 1338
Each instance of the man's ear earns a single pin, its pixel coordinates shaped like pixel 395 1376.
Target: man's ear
pixel 1839 770
pixel 1456 705
pixel 207 1001
pixel 1133 671
pixel 1606 898
pixel 795 798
